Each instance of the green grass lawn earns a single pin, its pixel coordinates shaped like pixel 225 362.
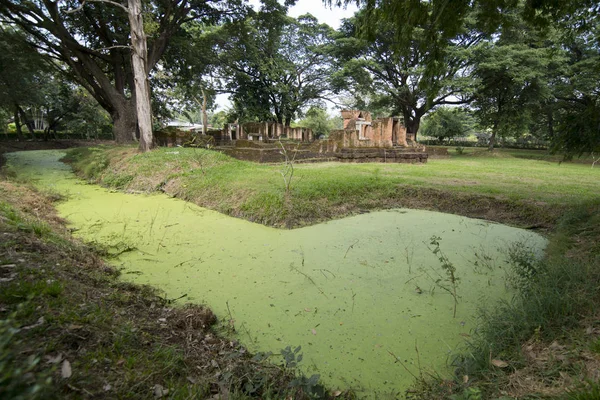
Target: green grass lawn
pixel 508 185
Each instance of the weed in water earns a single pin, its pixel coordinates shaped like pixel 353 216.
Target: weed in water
pixel 524 264
pixel 309 386
pixel 483 261
pixel 448 268
pixel 409 252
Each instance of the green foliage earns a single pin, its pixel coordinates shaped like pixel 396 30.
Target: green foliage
pixel 309 386
pixel 319 121
pixel 592 393
pixel 442 20
pixel 524 264
pixel 274 65
pixel 573 119
pixel 17 220
pixel 219 119
pixel 19 380
pixel 407 80
pixel 578 131
pixel 557 293
pixel 447 123
pixel 512 80
pixel 291 358
pixel 86 119
pixel 471 393
pixel 448 268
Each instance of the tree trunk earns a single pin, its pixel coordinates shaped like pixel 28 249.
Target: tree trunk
pixel 493 137
pixel 550 124
pixel 140 74
pixel 124 122
pixel 204 114
pixel 288 121
pixel 412 126
pixel 18 124
pixel 24 118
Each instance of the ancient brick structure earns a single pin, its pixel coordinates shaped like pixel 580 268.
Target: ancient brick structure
pixel 362 140
pixel 361 131
pixel 265 131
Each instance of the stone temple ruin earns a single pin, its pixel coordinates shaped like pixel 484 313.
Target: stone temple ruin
pixel 362 139
pixel 264 131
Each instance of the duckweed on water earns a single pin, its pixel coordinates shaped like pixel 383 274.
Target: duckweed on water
pixel 363 295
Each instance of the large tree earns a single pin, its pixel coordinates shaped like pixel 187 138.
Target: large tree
pixel 511 74
pixel 443 19
pixel 411 80
pixel 22 77
pixel 573 117
pixel 93 45
pixel 274 65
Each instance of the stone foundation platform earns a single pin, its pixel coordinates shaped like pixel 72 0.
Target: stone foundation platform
pixel 311 153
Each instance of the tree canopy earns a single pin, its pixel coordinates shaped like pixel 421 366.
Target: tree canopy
pixel 274 66
pixel 92 46
pixel 517 65
pixel 400 78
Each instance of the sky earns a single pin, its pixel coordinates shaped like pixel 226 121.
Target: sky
pixel 329 16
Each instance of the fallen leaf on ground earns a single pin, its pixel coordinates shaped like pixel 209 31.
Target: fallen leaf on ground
pixel 66 370
pixel 499 363
pixel 10 278
pixel 39 322
pixel 160 391
pixel 54 360
pixel 589 330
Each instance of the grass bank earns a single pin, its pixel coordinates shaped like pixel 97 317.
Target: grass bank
pixel 545 342
pixel 501 187
pixel 69 328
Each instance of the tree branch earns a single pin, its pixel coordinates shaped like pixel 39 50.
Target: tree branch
pixel 114 3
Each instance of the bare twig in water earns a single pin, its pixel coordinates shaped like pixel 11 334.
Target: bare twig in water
pixel 248 333
pixel 323 270
pixel 353 296
pixel 418 358
pixel 403 365
pixel 409 251
pixel 177 298
pixel 231 320
pixel 183 262
pixel 350 247
pixel 311 280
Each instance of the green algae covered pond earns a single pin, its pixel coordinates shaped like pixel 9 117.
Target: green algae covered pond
pixel 356 293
